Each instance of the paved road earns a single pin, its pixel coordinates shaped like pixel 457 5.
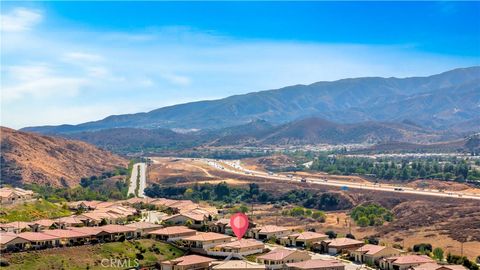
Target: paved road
pixel 133 179
pixel 236 168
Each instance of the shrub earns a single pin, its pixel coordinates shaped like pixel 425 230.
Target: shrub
pixel 331 234
pixel 422 248
pixel 319 216
pixel 372 240
pixel 371 215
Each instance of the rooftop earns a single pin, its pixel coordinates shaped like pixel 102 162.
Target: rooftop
pixel 308 235
pixel 272 229
pixel 37 236
pixel 277 254
pixel 173 230
pixel 143 225
pixel 410 259
pixel 87 230
pixel 16 224
pixel 113 228
pixel 66 233
pixel 44 222
pixel 338 242
pixel 370 249
pixel 234 264
pixel 435 266
pixel 208 236
pixel 7 237
pixel 243 243
pixel 189 260
pixel 317 263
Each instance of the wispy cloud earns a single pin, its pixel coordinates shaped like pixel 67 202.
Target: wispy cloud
pixel 20 19
pixel 82 57
pixel 38 82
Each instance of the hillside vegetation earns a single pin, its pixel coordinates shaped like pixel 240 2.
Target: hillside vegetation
pixel 148 252
pixel 33 211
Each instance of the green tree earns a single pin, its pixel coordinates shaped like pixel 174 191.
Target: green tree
pixel 438 254
pixel 363 221
pixel 222 190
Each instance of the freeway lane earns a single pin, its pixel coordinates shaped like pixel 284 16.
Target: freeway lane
pixel 236 168
pixel 133 180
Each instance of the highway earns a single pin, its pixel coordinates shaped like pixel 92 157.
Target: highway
pixel 235 167
pixel 133 180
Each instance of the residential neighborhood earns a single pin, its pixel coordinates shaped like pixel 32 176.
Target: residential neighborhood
pixel 207 238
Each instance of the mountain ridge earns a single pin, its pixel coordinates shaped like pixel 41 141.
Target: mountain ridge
pixel 349 100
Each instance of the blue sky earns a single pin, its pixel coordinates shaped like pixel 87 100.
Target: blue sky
pixel 71 62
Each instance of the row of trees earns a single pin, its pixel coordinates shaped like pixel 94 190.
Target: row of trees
pixel 102 187
pixel 451 169
pixel 224 193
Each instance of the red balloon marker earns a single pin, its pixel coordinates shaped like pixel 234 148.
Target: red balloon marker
pixel 239 224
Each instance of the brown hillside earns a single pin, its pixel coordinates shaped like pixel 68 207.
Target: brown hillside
pixel 33 158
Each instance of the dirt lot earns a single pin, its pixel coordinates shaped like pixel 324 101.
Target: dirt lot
pixel 443 222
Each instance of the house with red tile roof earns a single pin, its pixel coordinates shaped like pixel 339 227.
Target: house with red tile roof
pixel 371 254
pixel 114 232
pixel 339 245
pixel 190 262
pixel 206 240
pixel 111 232
pixel 436 266
pixel 12 242
pixel 10 195
pixel 279 257
pixel 39 240
pixel 70 221
pixel 172 233
pixel 303 239
pixel 237 249
pixel 237 265
pixel 143 228
pixel 270 231
pixel 316 264
pixel 15 226
pixel 404 262
pixel 69 237
pixel 192 219
pixel 42 224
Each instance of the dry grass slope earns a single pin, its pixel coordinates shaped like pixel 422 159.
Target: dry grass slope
pixel 33 158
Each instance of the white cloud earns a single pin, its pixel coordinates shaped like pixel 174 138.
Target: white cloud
pixel 82 57
pixel 146 82
pixel 20 19
pixel 175 79
pixel 37 81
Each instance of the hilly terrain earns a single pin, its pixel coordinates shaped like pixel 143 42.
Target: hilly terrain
pixel 32 158
pixel 437 102
pixel 306 131
pixel 319 131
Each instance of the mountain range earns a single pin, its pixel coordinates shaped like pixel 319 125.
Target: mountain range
pixel 310 130
pixel 439 102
